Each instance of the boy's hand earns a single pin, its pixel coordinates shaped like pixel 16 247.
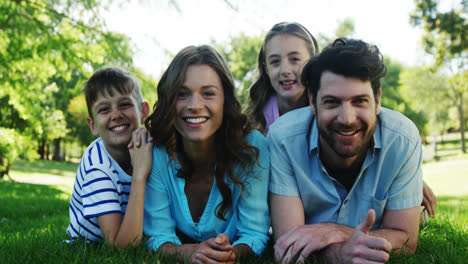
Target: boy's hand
pixel 141 152
pixel 215 250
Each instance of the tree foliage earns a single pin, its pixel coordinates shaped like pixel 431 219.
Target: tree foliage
pixel 446 38
pixel 428 93
pixel 47 49
pixel 445 33
pixel 241 53
pixel 393 98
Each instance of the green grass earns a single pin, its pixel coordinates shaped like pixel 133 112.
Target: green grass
pixel 33 219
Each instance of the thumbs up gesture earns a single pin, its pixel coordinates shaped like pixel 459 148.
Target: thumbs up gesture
pixel 361 247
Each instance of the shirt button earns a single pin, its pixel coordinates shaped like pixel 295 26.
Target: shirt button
pixel 346 201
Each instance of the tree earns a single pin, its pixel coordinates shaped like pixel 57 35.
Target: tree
pixel 393 98
pixel 446 38
pixel 428 93
pixel 241 54
pixel 345 29
pixel 47 47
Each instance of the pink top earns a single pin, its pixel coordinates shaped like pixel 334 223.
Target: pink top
pixel 271 112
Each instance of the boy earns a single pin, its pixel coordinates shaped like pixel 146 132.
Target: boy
pixel 109 190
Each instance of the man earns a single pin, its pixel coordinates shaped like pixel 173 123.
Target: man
pixel 346 179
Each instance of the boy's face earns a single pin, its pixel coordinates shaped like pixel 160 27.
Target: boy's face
pixel 116 117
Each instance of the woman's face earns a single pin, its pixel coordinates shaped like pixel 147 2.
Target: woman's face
pixel 285 55
pixel 199 105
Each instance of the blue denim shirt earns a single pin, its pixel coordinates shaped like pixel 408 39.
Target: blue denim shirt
pixel 390 177
pixel 166 205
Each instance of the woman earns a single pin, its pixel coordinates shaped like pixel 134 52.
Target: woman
pixel 206 196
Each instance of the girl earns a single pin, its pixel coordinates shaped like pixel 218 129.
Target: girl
pixel 206 196
pixel 278 90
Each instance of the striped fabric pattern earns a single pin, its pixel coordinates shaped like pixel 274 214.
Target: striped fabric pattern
pixel 101 187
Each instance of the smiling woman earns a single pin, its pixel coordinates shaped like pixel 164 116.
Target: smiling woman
pixel 206 196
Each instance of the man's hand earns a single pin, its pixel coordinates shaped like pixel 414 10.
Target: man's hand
pixel 361 247
pixel 301 241
pixel 215 250
pixel 429 200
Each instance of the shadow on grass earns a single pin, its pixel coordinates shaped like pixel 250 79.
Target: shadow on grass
pixel 57 168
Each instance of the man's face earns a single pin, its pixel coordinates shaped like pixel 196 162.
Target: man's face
pixel 346 111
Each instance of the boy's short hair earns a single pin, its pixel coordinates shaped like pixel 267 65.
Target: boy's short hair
pixel 108 79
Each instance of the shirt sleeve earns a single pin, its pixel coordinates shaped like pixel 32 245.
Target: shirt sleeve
pixel 253 212
pixel 100 196
pixel 282 180
pixel 406 189
pixel 158 222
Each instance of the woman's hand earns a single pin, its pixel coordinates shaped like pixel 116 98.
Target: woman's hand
pixel 215 250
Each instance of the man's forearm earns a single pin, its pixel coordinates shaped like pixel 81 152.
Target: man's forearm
pixel 398 239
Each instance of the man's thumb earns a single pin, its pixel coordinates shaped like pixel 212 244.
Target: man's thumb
pixel 368 222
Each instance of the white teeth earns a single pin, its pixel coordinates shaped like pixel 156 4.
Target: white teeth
pixel 347 133
pixel 195 120
pixel 288 82
pixel 119 128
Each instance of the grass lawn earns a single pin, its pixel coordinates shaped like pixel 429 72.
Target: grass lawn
pixel 33 219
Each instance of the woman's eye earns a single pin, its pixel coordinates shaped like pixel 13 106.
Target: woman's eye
pixel 182 94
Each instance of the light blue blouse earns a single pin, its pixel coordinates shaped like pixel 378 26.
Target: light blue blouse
pixel 166 206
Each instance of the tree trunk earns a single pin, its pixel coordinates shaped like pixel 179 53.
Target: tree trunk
pixel 41 149
pixel 462 122
pixel 46 149
pixel 57 150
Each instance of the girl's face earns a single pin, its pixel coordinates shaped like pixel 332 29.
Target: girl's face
pixel 284 57
pixel 199 105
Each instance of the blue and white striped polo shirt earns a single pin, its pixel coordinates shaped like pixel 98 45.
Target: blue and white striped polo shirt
pixel 101 187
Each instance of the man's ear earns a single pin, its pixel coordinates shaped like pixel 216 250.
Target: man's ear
pixel 145 109
pixel 91 126
pixel 311 103
pixel 377 102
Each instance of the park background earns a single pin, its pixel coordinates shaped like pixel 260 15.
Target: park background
pixel 49 48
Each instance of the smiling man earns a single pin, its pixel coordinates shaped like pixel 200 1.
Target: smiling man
pixel 346 179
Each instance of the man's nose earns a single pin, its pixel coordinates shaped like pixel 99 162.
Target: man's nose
pixel 347 114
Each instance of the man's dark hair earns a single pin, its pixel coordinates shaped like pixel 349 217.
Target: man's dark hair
pixel 348 57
